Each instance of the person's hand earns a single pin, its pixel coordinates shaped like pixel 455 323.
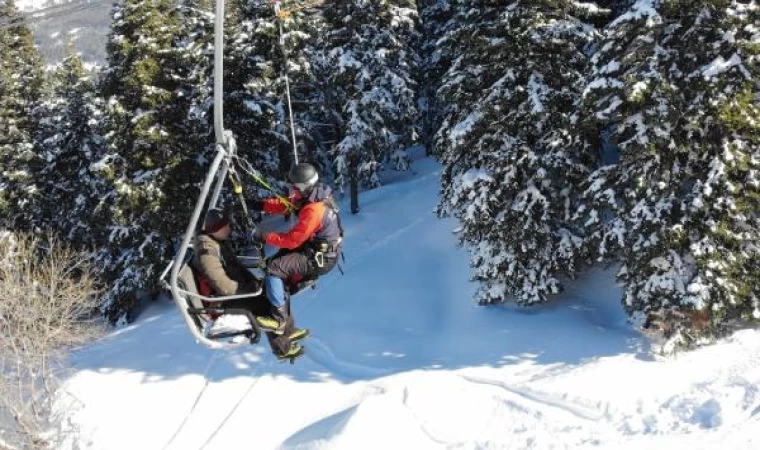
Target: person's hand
pixel 258 235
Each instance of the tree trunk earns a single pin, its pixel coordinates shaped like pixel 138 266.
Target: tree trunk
pixel 353 168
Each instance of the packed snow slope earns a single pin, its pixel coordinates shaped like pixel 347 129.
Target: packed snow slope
pixel 401 358
pixel 84 23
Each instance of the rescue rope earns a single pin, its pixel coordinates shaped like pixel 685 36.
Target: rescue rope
pixel 280 19
pixel 282 15
pixel 246 167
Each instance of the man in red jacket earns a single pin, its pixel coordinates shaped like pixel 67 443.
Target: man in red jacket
pixel 308 250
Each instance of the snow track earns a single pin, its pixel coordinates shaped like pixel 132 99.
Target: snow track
pixel 195 403
pixel 347 371
pixel 574 409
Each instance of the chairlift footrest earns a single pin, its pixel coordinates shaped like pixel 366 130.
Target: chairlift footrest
pixel 254 333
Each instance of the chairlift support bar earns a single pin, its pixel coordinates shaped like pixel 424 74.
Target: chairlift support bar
pixel 225 150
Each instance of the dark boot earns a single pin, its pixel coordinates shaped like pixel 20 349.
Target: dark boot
pixel 279 340
pixel 294 352
pixel 291 330
pixel 283 348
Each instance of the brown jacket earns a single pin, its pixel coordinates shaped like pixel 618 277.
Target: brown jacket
pixel 217 262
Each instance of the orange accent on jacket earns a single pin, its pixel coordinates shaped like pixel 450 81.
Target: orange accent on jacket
pixel 275 205
pixel 309 222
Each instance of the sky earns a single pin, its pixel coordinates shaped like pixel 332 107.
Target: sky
pixel 402 358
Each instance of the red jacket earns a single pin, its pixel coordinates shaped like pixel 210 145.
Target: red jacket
pixel 309 223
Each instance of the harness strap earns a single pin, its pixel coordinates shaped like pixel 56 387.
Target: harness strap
pixel 238 189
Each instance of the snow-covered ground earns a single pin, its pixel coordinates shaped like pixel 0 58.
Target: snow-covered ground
pixel 84 23
pixel 401 358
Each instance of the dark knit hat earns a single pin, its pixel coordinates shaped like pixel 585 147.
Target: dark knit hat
pixel 215 221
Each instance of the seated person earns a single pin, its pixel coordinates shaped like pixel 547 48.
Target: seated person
pixel 217 263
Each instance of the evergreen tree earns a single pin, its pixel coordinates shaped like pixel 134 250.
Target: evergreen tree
pixel 513 152
pixel 370 67
pixel 678 82
pixel 21 90
pixel 190 64
pixel 439 22
pixel 256 108
pixel 69 144
pixel 153 145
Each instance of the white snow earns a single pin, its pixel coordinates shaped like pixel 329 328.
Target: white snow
pixel 638 88
pixel 472 176
pixel 463 128
pixel 589 8
pixel 401 358
pixel 642 9
pixel 720 65
pixel 254 107
pixel 537 91
pixel 610 67
pixel 31 5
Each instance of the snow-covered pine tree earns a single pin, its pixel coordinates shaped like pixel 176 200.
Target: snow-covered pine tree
pixel 514 154
pixel 69 144
pixel 256 107
pixel 678 82
pixel 21 87
pixel 438 21
pixel 370 66
pixel 190 123
pixel 153 149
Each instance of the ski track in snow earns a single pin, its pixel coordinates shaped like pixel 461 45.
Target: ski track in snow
pixel 321 354
pixel 422 426
pixel 232 411
pixel 206 381
pixel 576 410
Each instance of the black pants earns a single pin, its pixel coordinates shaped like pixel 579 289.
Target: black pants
pixel 293 266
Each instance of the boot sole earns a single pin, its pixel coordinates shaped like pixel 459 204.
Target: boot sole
pixel 292 357
pixel 301 337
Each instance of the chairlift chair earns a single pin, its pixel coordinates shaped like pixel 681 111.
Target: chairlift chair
pixel 199 310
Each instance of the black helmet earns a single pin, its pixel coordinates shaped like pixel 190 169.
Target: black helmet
pixel 303 176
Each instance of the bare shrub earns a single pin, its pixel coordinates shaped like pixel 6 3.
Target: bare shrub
pixel 47 298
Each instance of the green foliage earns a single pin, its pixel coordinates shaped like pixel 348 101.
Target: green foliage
pixel 156 129
pixel 513 154
pixel 69 143
pixel 21 90
pixel 369 74
pixel 678 88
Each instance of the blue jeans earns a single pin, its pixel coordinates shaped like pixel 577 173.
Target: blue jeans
pixel 275 291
